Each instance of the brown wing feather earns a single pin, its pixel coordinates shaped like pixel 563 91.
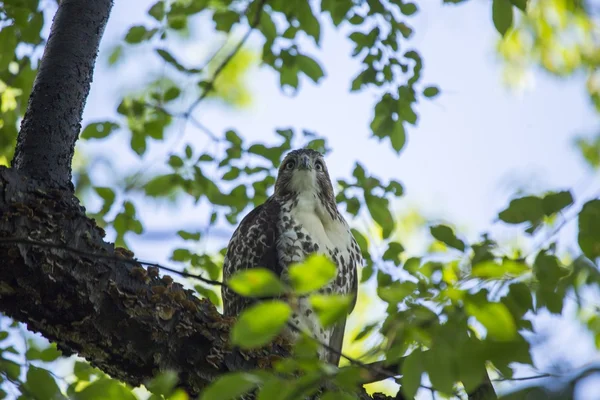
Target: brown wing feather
pixel 252 245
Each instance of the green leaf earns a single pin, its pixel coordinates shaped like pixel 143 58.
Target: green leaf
pixel 553 203
pixel 11 368
pixel 41 384
pixel 171 93
pixel 310 67
pixel 308 22
pixel 256 282
pixel 312 274
pixel 3 335
pixel 259 324
pixel 378 208
pixel 108 195
pixel 330 308
pixel 50 353
pixel 412 371
pixel 492 269
pixel 338 9
pixel 163 384
pixel 520 4
pixel 589 229
pixel 175 161
pixel 446 235
pixel 82 370
pixel 162 185
pixel 230 386
pixel 547 270
pixel 398 136
pixel 225 20
pixel 439 364
pixel 138 33
pixel 495 317
pixel 8 44
pixel 189 235
pixel 99 130
pixel 396 292
pixel 169 58
pixel 104 389
pixel 408 9
pixel 502 15
pixel 431 91
pixel 393 253
pixel 524 209
pixel 157 11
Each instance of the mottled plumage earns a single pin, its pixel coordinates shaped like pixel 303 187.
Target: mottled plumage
pixel 300 218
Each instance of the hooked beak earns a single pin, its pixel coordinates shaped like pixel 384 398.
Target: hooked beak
pixel 304 162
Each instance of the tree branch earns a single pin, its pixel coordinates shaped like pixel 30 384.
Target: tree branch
pixel 52 121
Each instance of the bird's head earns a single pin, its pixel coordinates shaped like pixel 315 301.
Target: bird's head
pixel 302 171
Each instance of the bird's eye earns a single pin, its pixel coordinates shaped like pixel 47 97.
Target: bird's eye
pixel 290 164
pixel 319 166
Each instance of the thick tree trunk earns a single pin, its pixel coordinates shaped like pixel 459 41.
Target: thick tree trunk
pixel 53 118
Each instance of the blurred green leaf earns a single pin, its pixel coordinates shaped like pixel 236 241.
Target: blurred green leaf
pixel 105 389
pixel 553 203
pixel 492 269
pixel 256 282
pixel 524 209
pixel 378 208
pixel 312 274
pixel 163 384
pixel 330 308
pixel 42 385
pixel 393 253
pixel 230 386
pixel 99 130
pixel 310 67
pixel 412 370
pixel 260 323
pixel 589 229
pixel 495 317
pixel 138 34
pixel 446 235
pixel 431 91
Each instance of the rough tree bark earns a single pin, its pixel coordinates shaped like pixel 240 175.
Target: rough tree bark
pixel 124 319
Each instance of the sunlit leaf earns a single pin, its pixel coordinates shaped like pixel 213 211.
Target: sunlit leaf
pixel 330 308
pixel 495 317
pixel 260 323
pixel 105 389
pixel 312 274
pixel 256 282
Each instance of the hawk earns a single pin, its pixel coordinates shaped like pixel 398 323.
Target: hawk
pixel 299 219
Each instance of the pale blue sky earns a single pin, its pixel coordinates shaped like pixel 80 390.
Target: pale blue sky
pixel 474 146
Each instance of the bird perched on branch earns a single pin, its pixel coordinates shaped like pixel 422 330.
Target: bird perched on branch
pixel 299 219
